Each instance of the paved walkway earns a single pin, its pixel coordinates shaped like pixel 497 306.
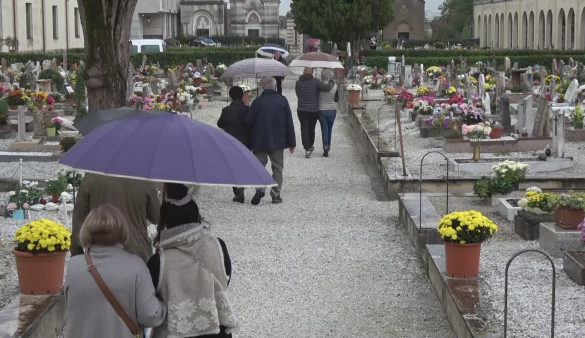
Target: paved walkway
pixel 329 261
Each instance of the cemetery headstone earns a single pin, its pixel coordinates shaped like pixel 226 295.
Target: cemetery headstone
pixel 571 93
pixel 571 62
pixel 557 124
pixel 542 72
pixel 143 61
pixel 54 63
pixel 21 136
pixel 528 102
pixel 4 64
pixel 486 100
pixel 481 85
pixel 554 68
pixel 46 64
pixel 540 127
pixel 553 85
pixel 515 65
pixel 561 66
pixel 505 114
pixel 566 72
pixel 526 83
pixel 507 64
pixel 173 81
pixel 408 75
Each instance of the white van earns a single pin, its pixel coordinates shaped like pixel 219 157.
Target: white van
pixel 147 46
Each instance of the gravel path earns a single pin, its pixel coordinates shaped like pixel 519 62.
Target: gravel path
pixel 330 260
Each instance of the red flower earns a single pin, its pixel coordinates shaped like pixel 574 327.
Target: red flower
pixel 50 99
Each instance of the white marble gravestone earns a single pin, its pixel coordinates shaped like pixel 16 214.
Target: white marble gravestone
pixel 486 100
pixel 481 85
pixel 571 93
pixel 557 131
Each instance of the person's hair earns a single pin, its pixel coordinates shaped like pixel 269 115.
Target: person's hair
pixel 308 70
pixel 104 225
pixel 268 83
pixel 172 215
pixel 236 93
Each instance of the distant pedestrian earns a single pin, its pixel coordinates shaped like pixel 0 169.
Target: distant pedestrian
pixel 136 199
pixel 327 110
pixel 278 57
pixel 307 89
pixel 233 120
pixel 272 132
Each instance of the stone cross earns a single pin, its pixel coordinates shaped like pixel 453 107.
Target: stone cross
pixel 553 85
pixel 571 93
pixel 505 114
pixel 507 63
pixel 408 76
pixel 21 136
pixel 554 68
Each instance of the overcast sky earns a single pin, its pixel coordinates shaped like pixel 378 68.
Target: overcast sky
pixel 431 7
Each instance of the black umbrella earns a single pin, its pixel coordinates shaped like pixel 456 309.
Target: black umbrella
pixel 98 117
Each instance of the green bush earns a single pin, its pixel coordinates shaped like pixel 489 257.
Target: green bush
pixel 4 108
pixel 56 78
pixel 481 187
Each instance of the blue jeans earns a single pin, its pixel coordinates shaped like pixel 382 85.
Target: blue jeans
pixel 326 119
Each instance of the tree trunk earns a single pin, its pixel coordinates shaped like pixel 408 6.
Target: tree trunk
pixel 106 32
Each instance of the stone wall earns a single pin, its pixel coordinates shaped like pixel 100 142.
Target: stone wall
pixel 409 17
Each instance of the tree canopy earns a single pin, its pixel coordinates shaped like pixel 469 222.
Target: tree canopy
pixel 341 20
pixel 456 20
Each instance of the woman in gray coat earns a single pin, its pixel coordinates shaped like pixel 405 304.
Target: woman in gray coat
pixel 89 314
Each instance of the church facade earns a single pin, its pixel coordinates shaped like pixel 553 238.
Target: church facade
pixel 408 23
pixel 236 17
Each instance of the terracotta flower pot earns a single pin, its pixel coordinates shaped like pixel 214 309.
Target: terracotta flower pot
pixel 569 218
pixel 40 274
pixel 462 259
pixel 496 132
pixel 354 98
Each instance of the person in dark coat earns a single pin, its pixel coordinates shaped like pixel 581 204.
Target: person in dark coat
pixel 233 121
pixel 278 57
pixel 308 89
pixel 272 132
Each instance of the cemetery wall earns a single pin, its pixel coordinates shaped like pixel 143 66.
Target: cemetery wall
pixel 535 24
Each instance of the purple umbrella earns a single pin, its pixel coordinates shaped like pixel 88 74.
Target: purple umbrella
pixel 168 148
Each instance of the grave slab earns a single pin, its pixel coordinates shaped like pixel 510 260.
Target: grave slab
pixel 33 316
pixel 556 240
pixel 527 225
pixel 26 156
pixel 484 165
pixel 574 266
pixel 503 144
pixel 25 146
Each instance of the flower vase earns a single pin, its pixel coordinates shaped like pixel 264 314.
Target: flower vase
pixel 568 218
pixel 41 273
pixel 51 131
pixel 354 98
pixel 18 214
pixel 462 260
pixel 476 151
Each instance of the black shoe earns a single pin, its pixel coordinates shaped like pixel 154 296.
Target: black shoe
pixel 276 200
pixel 326 151
pixel 307 154
pixel 257 197
pixel 239 198
pixel 275 194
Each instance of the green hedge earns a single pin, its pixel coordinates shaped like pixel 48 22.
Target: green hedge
pixel 466 52
pixel 436 43
pixel 523 61
pixel 236 40
pixel 25 57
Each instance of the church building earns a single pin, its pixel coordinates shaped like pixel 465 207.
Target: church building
pixel 236 17
pixel 408 23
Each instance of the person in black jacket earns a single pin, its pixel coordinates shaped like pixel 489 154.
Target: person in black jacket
pixel 278 57
pixel 233 121
pixel 272 132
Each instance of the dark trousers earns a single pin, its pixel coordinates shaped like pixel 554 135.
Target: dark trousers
pixel 279 84
pixel 308 122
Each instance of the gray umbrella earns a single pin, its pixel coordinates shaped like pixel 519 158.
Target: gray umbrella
pixel 98 117
pixel 255 68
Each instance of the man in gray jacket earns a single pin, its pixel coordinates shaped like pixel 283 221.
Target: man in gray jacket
pixel 307 89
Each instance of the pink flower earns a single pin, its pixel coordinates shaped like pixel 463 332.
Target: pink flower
pixel 11 206
pixel 25 205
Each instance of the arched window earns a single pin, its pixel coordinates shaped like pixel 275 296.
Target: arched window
pixel 202 25
pixel 253 24
pixel 562 30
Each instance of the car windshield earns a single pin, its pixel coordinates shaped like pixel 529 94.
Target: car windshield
pixel 133 49
pixel 150 49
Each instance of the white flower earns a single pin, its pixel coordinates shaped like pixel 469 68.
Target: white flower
pixel 354 86
pixel 64 195
pixel 69 186
pixel 522 203
pixel 537 189
pixel 245 88
pixel 11 193
pixel 23 191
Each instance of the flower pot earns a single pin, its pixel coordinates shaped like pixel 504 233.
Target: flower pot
pixel 51 131
pixel 568 218
pixel 354 98
pixel 40 274
pixel 462 259
pixel 18 214
pixel 496 132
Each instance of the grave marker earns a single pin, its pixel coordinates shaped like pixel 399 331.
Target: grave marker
pixel 481 85
pixel 505 114
pixel 571 93
pixel 507 63
pixel 540 127
pixel 554 68
pixel 21 124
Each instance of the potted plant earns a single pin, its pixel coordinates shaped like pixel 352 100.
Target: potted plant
pixel 15 98
pixel 475 133
pixel 463 233
pixel 569 209
pixel 18 203
pixel 55 126
pixel 536 208
pixel 497 130
pixel 40 256
pixel 576 132
pixel 354 90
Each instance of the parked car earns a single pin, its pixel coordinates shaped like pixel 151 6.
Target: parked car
pixel 147 46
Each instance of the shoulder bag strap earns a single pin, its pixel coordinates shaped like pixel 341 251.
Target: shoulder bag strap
pixel 109 296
